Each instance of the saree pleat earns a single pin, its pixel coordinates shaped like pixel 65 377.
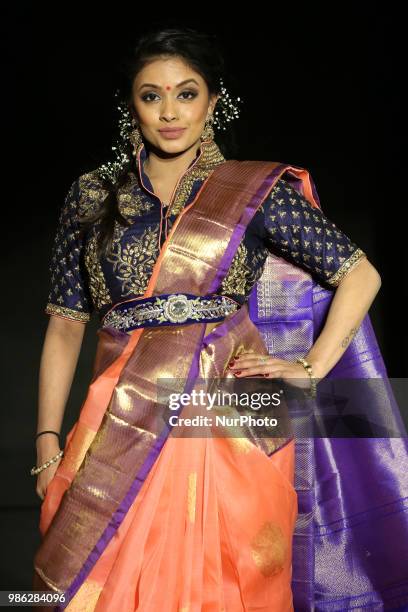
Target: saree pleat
pixel 192 540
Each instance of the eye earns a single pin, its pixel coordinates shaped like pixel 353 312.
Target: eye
pixel 145 98
pixel 193 93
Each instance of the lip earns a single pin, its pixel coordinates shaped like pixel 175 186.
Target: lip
pixel 172 134
pixel 170 130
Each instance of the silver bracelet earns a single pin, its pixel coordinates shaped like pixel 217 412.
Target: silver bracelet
pixel 36 470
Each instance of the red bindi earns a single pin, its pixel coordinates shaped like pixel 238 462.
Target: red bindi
pixel 168 87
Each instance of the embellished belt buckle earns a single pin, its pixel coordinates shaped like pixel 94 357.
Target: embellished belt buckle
pixel 177 308
pixel 169 309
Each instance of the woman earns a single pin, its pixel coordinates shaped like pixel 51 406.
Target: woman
pixel 166 246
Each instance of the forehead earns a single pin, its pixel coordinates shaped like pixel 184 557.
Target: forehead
pixel 167 72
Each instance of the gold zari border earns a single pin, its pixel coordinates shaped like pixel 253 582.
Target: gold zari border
pixel 68 313
pixel 346 267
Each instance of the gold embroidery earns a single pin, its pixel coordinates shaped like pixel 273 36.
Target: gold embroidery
pixel 243 274
pixel 66 279
pixel 345 268
pixel 133 261
pixel 131 203
pixel 236 279
pixel 209 158
pixel 268 549
pixel 68 313
pixel 241 445
pixel 97 283
pixel 86 598
pixel 92 193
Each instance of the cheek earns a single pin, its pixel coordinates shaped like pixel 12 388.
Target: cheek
pixel 147 114
pixel 195 113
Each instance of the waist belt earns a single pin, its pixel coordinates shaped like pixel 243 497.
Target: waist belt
pixel 170 309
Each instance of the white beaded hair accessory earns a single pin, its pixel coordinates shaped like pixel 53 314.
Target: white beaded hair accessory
pixel 226 110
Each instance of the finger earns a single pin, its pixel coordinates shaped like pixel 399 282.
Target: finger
pixel 253 360
pixel 272 372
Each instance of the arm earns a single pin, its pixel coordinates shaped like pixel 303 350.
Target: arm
pixel 351 302
pixel 303 235
pixel 70 305
pixel 59 358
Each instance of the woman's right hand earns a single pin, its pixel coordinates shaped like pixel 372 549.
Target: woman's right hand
pixel 46 448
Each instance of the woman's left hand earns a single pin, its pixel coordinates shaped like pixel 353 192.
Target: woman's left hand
pixel 255 364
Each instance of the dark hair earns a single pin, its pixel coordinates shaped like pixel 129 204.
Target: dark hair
pixel 202 52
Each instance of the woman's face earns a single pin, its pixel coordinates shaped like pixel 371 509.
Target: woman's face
pixel 167 93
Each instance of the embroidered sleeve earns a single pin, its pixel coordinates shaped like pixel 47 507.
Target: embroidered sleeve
pixel 69 295
pixel 303 235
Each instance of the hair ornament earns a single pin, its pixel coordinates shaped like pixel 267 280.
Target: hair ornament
pixel 226 109
pixel 111 170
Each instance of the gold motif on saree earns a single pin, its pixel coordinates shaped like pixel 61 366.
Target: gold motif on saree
pixel 192 496
pixel 124 393
pixel 269 548
pixel 241 446
pixel 86 598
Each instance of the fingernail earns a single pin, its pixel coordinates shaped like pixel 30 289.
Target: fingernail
pixel 238 372
pixel 231 363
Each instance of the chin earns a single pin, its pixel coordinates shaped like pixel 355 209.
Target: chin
pixel 178 145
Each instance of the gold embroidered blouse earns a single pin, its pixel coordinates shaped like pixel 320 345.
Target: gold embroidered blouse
pixel 286 225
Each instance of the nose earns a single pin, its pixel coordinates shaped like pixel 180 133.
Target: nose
pixel 167 110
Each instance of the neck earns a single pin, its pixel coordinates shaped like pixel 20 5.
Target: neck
pixel 160 164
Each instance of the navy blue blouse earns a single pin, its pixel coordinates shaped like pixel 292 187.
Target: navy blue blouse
pixel 286 225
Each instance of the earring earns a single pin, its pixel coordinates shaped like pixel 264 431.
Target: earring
pixel 135 137
pixel 208 132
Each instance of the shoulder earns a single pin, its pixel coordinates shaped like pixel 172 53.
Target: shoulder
pixel 91 192
pixel 284 194
pixel 284 187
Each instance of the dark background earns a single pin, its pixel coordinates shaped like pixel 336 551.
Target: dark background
pixel 321 89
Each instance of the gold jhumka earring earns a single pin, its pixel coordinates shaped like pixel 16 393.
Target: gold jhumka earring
pixel 208 132
pixel 135 137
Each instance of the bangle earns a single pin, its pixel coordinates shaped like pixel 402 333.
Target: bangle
pixel 309 370
pixel 36 470
pixel 47 431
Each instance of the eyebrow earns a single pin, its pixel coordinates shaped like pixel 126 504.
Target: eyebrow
pixel 158 86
